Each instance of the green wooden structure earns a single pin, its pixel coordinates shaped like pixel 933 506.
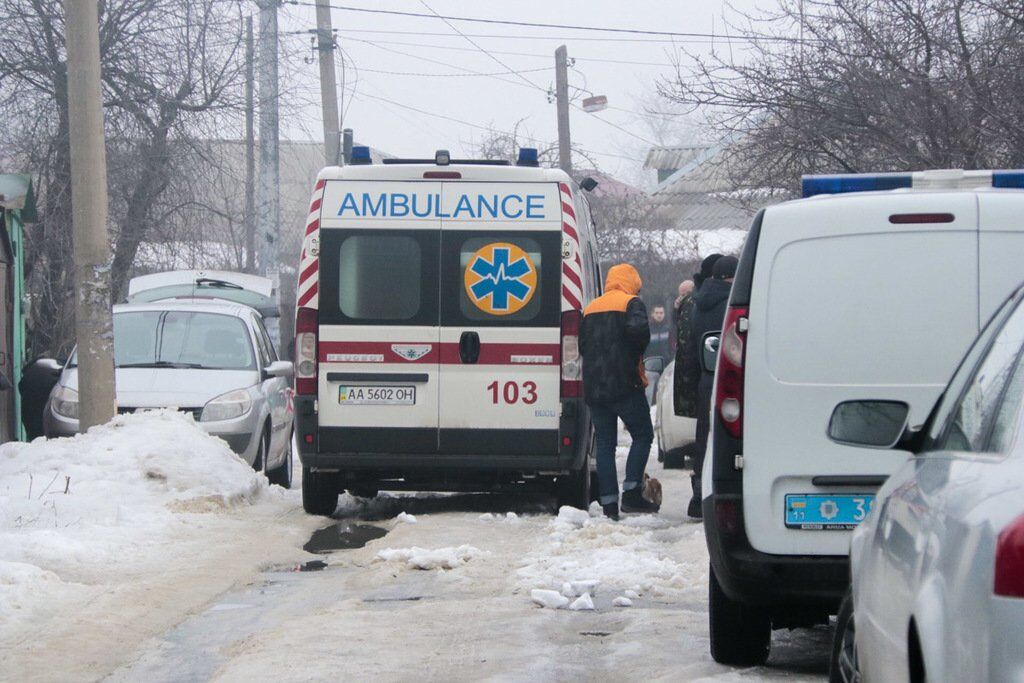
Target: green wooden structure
pixel 18 206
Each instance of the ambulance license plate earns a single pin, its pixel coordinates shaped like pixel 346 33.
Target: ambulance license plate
pixel 376 396
pixel 827 511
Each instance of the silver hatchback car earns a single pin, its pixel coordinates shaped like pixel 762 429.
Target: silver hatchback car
pixel 214 360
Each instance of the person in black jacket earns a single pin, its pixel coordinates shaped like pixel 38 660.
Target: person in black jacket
pixel 684 381
pixel 710 304
pixel 613 337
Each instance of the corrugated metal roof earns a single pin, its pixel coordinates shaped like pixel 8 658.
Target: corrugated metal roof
pixel 672 158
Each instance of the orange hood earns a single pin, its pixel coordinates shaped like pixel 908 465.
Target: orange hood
pixel 623 278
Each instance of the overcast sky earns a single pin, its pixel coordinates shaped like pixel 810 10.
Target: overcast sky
pixel 396 65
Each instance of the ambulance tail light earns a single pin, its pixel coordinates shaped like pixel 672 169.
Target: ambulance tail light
pixel 571 362
pixel 306 323
pixel 729 376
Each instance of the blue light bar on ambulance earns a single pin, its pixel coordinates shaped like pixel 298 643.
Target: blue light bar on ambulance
pixel 527 156
pixel 950 179
pixel 360 155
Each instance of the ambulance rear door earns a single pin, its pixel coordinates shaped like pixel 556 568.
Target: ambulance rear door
pixel 500 315
pixel 378 344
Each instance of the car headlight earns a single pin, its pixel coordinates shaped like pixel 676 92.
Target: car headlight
pixel 65 403
pixel 227 406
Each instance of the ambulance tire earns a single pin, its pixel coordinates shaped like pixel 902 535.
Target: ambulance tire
pixel 574 489
pixel 319 494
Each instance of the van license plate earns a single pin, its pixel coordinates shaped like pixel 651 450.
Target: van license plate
pixel 824 511
pixel 376 396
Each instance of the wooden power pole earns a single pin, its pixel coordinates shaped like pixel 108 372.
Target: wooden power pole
pixel 562 104
pixel 94 327
pixel 328 82
pixel 250 154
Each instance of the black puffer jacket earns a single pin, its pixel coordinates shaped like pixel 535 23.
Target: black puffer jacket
pixel 710 303
pixel 613 337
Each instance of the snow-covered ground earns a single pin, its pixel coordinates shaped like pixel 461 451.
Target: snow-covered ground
pixel 114 535
pixel 152 573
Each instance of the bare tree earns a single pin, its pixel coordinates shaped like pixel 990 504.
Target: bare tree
pixel 879 85
pixel 171 72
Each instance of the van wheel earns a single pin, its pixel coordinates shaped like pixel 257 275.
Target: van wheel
pixel 844 665
pixel 574 489
pixel 741 635
pixel 282 474
pixel 319 497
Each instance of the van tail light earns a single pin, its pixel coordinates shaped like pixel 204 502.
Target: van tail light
pixel 1010 560
pixel 571 386
pixel 729 376
pixel 306 324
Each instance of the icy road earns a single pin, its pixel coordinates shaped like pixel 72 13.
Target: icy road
pixel 427 587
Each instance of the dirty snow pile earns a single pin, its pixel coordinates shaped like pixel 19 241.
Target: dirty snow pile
pixel 440 558
pixel 75 510
pixel 626 559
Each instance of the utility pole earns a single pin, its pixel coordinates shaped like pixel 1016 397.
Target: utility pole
pixel 328 81
pixel 268 202
pixel 250 154
pixel 562 102
pixel 94 327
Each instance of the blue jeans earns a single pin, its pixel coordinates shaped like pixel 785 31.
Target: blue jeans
pixel 636 415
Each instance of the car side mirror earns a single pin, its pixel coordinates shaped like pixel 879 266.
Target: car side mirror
pixel 709 350
pixel 279 368
pixel 51 365
pixel 870 424
pixel 654 365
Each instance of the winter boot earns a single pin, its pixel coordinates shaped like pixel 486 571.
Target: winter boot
pixel 634 501
pixel 611 511
pixel 694 510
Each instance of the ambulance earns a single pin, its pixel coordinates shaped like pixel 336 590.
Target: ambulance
pixel 437 317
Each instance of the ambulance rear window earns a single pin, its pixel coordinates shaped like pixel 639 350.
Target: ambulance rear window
pixel 379 277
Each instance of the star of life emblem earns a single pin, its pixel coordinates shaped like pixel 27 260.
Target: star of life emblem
pixel 411 351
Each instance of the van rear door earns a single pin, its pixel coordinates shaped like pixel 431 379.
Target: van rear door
pixel 1000 246
pixel 854 297
pixel 500 314
pixel 379 344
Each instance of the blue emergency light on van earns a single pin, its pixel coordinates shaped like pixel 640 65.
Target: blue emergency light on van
pixel 360 155
pixel 854 182
pixel 527 156
pixel 937 179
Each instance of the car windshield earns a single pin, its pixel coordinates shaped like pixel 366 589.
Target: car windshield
pixel 180 339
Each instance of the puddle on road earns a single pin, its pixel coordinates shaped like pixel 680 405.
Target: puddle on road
pixel 342 536
pixel 312 566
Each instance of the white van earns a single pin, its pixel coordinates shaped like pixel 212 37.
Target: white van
pixel 438 307
pixel 872 287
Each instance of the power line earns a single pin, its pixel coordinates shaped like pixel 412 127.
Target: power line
pixel 531 24
pixel 509 53
pixel 710 38
pixel 481 48
pixel 435 75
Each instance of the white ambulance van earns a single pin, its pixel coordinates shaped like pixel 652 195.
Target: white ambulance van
pixel 872 287
pixel 438 308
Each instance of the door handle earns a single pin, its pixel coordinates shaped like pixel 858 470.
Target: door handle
pixel 469 347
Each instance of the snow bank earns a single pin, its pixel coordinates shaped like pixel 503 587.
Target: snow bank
pixel 627 558
pixel 440 558
pixel 74 509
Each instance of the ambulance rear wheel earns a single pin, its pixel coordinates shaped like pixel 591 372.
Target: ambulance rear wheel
pixel 574 489
pixel 319 494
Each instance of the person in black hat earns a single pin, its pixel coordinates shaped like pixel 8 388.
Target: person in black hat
pixel 710 303
pixel 684 381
